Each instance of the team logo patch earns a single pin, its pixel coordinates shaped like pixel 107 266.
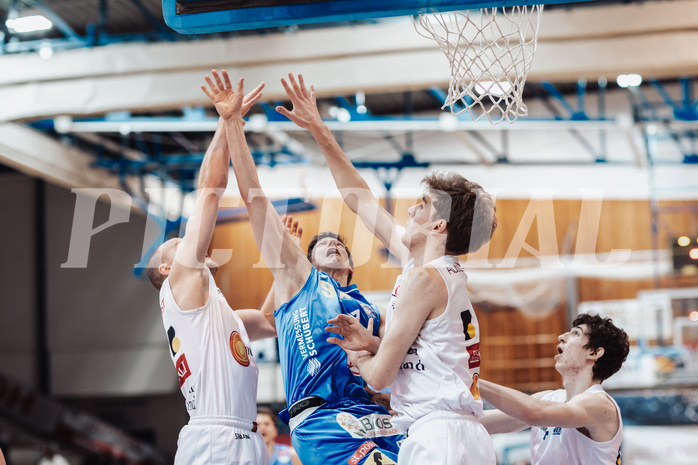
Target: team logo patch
pixel 378 458
pixel 468 327
pixel 474 356
pixel 370 426
pixel 175 343
pixel 183 371
pixel 474 388
pixel 313 366
pixel 361 452
pixel 238 349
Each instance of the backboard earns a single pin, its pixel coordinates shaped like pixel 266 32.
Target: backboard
pixel 208 16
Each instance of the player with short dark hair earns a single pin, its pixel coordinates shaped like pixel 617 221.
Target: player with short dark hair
pixel 580 424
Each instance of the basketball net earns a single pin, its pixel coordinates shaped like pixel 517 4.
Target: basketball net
pixel 490 55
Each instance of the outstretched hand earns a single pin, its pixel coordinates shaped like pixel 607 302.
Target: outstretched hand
pixel 293 228
pixel 230 103
pixel 356 337
pixel 305 112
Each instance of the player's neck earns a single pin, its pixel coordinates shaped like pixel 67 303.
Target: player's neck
pixel 428 251
pixel 578 382
pixel 339 275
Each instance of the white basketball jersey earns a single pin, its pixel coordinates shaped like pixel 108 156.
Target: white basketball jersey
pixel 555 445
pixel 442 366
pixel 211 352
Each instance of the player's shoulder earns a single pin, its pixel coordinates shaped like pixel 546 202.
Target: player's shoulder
pixel 424 274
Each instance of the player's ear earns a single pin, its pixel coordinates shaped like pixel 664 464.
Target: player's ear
pixel 164 269
pixel 439 226
pixel 597 353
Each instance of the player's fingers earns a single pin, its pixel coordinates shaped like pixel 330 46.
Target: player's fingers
pixel 226 80
pixel 210 83
pixel 334 330
pixel 241 86
pixel 287 88
pixel 370 325
pixel 208 93
pixel 283 111
pixel 300 232
pixel 258 89
pixel 342 318
pixel 301 82
pixel 217 78
pixel 312 94
pixel 335 340
pixel 294 84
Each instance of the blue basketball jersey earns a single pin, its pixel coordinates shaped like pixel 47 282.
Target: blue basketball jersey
pixel 310 365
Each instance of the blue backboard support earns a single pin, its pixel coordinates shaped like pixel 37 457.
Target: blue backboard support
pixel 208 16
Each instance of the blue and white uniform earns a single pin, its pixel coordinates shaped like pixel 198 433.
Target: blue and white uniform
pixel 339 424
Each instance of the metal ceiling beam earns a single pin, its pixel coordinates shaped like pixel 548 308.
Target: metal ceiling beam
pixel 592 44
pixel 375 124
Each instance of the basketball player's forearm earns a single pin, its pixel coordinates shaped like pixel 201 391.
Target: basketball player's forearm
pixel 214 167
pixel 348 180
pixel 375 371
pixel 510 401
pixel 243 164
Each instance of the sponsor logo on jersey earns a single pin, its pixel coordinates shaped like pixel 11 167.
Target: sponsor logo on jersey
pixel 456 268
pixel 191 400
pixel 313 366
pixel 474 388
pixel 468 327
pixel 175 343
pixel 162 305
pixel 242 436
pixel 361 452
pixel 370 426
pixel 474 356
pixel 238 349
pixel 304 333
pixel 183 371
pixel 378 458
pixel 412 365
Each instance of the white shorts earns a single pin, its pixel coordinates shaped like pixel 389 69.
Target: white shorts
pixel 447 438
pixel 220 443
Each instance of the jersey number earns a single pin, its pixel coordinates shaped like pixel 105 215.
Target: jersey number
pixel 327 290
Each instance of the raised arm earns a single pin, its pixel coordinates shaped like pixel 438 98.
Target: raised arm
pixel 351 185
pixel 188 276
pixel 279 250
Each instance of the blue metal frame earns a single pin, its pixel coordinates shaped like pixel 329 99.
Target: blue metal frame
pixel 220 20
pixel 683 108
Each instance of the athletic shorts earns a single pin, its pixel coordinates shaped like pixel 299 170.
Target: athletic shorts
pixel 347 433
pixel 447 438
pixel 203 443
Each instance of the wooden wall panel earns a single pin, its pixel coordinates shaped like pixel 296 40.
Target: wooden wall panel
pixel 516 351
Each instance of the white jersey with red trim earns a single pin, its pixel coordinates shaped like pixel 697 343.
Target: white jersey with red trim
pixel 442 366
pixel 556 445
pixel 211 352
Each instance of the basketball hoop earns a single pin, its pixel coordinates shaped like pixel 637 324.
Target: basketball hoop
pixel 490 55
